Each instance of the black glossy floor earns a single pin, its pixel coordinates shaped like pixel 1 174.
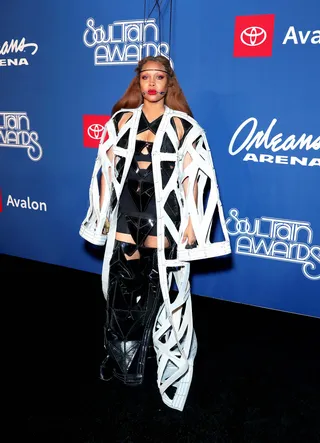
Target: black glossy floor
pixel 256 379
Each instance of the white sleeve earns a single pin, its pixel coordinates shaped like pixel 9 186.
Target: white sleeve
pixel 200 170
pixel 92 228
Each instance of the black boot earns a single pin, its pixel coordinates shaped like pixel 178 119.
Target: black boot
pixel 133 301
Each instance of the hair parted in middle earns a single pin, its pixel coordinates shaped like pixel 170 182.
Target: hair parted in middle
pixel 174 98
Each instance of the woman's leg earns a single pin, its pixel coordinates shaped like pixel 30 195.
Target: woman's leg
pixel 133 300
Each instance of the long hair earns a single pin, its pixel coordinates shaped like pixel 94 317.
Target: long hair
pixel 174 98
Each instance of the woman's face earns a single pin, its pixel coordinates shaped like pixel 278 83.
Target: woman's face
pixel 153 81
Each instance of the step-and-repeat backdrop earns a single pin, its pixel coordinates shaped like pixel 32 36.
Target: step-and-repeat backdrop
pixel 250 71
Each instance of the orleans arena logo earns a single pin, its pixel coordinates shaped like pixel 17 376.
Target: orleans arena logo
pixel 11 52
pixel 125 42
pixel 267 146
pixel 279 239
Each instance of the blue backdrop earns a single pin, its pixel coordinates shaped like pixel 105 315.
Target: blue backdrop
pixel 251 75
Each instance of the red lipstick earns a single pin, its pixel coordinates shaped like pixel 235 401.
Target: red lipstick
pixel 152 92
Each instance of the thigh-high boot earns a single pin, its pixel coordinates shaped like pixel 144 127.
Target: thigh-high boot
pixel 133 301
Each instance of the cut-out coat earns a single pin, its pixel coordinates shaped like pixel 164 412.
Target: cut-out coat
pixel 174 337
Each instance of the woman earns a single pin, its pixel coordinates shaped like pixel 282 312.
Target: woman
pixel 147 204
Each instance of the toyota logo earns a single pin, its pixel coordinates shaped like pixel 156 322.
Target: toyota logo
pixel 95 131
pixel 253 36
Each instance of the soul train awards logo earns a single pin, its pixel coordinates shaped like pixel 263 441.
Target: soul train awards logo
pixel 10 50
pixel 15 132
pixel 246 138
pixel 277 239
pixel 125 43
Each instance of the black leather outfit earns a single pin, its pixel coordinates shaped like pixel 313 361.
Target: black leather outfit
pixel 134 293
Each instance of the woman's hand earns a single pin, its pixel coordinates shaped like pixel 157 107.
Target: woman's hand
pixel 189 236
